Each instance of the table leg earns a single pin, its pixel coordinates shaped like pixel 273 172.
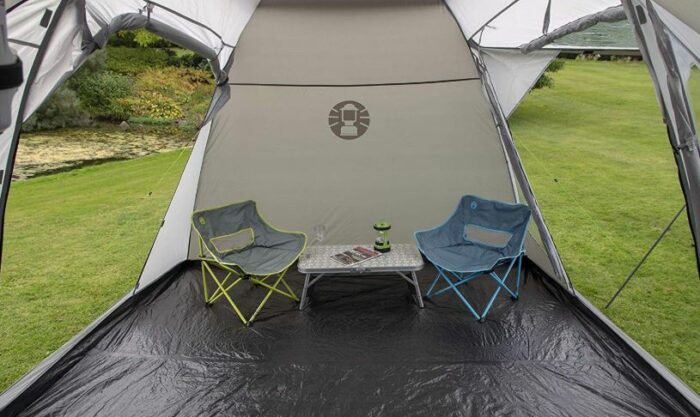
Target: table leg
pixel 304 292
pixel 419 296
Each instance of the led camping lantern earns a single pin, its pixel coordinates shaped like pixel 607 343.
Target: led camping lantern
pixel 382 243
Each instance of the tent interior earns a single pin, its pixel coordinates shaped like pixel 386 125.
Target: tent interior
pixel 362 346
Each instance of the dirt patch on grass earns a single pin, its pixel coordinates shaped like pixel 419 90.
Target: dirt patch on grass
pixel 50 152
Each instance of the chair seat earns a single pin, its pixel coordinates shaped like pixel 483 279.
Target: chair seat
pixel 266 260
pixel 464 257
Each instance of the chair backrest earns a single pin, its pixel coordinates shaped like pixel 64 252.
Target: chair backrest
pixel 493 224
pixel 230 228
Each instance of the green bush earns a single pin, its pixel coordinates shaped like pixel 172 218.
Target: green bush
pixel 61 110
pixel 171 94
pixel 545 80
pixel 189 60
pixel 139 38
pixel 102 95
pixel 132 61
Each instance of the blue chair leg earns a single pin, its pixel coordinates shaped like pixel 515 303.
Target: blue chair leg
pixel 502 284
pixel 441 273
pixel 432 286
pixel 517 280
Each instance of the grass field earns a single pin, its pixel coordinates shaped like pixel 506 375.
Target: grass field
pixel 75 243
pixel 599 160
pixel 595 150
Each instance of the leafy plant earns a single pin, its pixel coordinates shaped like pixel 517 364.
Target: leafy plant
pixel 546 80
pixel 102 95
pixel 62 110
pixel 170 94
pixel 132 61
pixel 139 38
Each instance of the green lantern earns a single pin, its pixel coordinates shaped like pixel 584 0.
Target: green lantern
pixel 382 243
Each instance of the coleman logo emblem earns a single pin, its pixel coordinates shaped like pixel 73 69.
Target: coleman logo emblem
pixel 348 119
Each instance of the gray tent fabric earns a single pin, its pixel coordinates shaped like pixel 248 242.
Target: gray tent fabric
pixel 429 122
pixel 457 246
pixel 237 235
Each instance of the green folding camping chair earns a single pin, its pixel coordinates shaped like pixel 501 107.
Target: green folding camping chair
pixel 237 240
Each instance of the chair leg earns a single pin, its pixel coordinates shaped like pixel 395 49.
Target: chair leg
pixel 289 290
pixel 459 294
pixel 222 289
pixel 462 280
pixel 502 284
pixel 204 284
pixel 517 280
pixel 270 290
pixel 432 286
pixel 274 288
pixel 224 292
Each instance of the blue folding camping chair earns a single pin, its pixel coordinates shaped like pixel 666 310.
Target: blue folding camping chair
pixel 480 236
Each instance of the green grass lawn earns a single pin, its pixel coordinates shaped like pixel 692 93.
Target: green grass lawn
pixel 595 150
pixel 74 244
pixel 597 153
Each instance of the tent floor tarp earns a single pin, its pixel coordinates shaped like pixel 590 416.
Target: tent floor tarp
pixel 362 347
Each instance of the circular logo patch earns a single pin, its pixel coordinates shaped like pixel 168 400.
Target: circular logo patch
pixel 348 119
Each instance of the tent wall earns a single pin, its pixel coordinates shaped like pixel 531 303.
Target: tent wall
pixel 513 73
pixel 431 138
pixel 685 10
pixel 171 244
pixel 661 48
pixel 510 23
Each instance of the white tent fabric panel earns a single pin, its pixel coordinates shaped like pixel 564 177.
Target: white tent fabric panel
pixel 223 16
pixel 217 26
pixel 520 21
pixel 513 74
pixel 472 15
pixel 26 34
pixel 62 57
pixel 100 13
pixel 172 242
pixel 24 22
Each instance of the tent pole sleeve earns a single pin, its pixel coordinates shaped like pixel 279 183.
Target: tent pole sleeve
pixel 612 14
pixel 518 168
pixel 657 50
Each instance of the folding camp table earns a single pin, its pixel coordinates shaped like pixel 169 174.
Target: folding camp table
pixel 317 262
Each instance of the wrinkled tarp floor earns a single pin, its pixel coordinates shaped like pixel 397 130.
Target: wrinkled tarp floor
pixel 361 348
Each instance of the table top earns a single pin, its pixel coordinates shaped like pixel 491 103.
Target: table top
pixel 402 257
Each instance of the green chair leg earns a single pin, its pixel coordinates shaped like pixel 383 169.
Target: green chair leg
pixel 222 289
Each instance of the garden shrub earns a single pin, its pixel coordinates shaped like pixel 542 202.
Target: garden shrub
pixel 545 80
pixel 190 60
pixel 61 110
pixel 102 94
pixel 170 94
pixel 154 105
pixel 132 61
pixel 139 38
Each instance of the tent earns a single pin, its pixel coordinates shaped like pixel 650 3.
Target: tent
pixel 433 83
